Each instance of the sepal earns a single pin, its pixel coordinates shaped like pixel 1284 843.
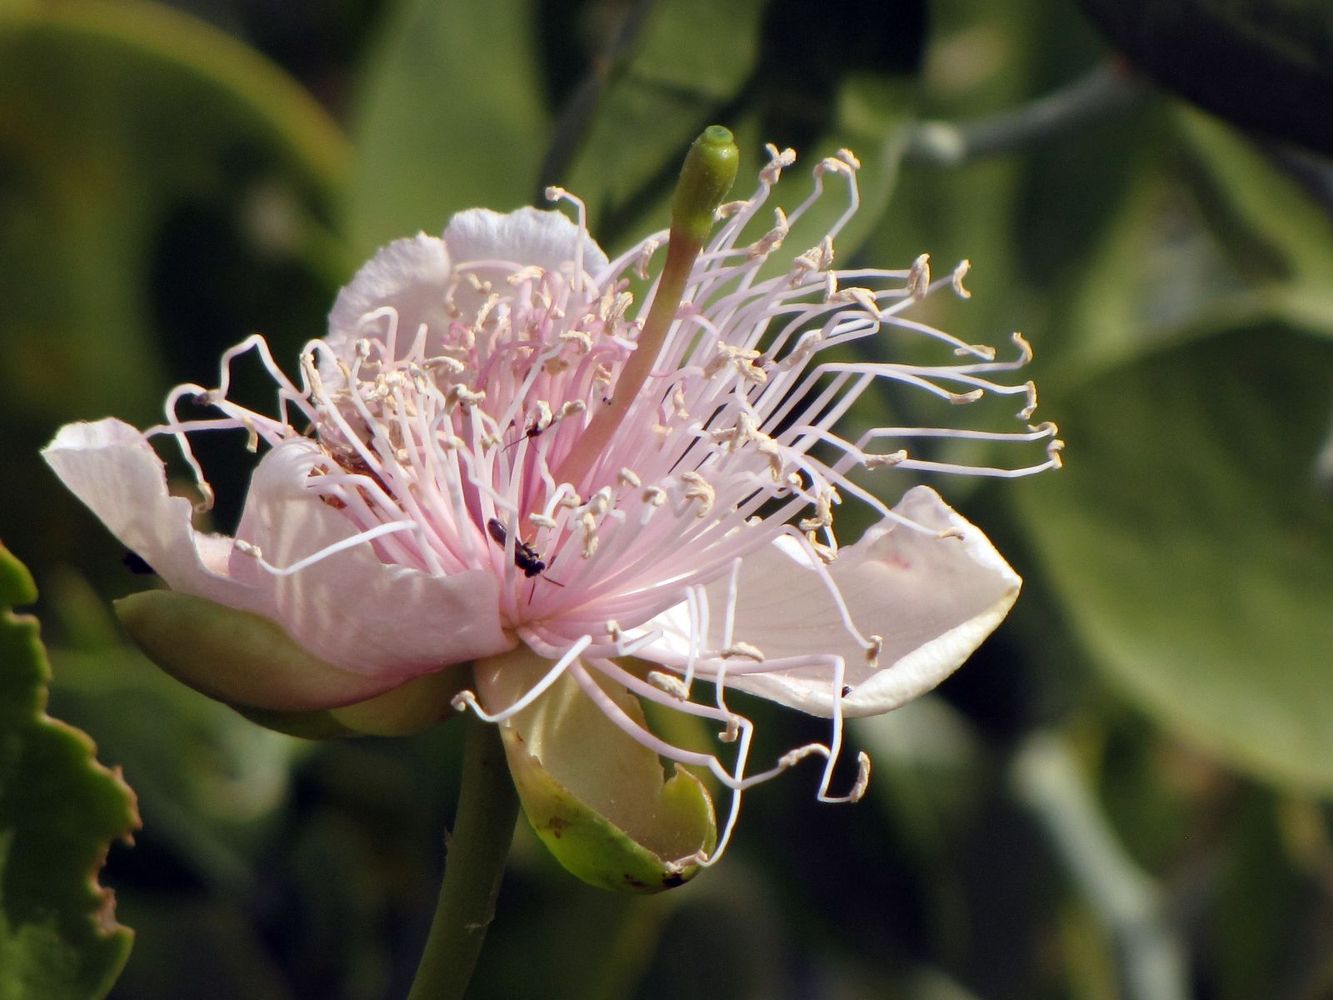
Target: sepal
pixel 600 802
pixel 250 663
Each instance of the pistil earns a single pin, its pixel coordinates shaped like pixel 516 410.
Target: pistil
pixel 705 178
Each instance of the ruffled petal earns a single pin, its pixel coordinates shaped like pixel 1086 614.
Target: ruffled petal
pixel 351 608
pixel 931 599
pixel 113 469
pixel 410 276
pixel 529 236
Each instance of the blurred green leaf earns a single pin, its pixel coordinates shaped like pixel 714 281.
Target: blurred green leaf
pixel 112 113
pixel 620 142
pixel 207 777
pixel 1189 539
pixel 1263 64
pixel 1266 219
pixel 449 118
pixel 59 811
pixel 696 63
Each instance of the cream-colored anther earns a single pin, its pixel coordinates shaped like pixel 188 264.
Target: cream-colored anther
pixel 918 278
pixel 959 273
pixel 1031 408
pixel 590 542
pixel 817 258
pixel 669 683
pixel 874 649
pixel 698 488
pixel 772 239
pixel 862 782
pixel 778 160
pixel 886 461
pixel 743 650
pixel 740 359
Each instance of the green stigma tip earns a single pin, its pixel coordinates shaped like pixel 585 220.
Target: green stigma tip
pixel 707 176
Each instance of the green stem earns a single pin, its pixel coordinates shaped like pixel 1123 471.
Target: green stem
pixel 483 828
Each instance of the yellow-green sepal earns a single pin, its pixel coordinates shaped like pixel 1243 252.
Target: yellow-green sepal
pixel 599 801
pixel 249 662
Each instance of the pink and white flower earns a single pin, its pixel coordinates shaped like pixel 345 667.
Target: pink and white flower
pixel 428 496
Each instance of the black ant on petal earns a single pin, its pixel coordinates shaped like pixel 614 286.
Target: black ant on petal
pixel 526 557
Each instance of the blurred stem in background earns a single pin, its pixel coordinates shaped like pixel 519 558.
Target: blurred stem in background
pixel 1129 904
pixel 1110 90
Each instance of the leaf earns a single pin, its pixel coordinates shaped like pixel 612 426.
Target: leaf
pixel 597 799
pixel 698 63
pixel 1190 539
pixel 1264 216
pixel 59 811
pixel 644 102
pixel 114 112
pixel 449 119
pixel 1263 64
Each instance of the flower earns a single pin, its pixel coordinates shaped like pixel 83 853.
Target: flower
pixel 496 455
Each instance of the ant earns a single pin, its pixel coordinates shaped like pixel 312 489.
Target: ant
pixel 533 430
pixel 525 556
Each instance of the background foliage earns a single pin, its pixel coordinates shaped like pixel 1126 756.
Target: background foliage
pixel 1124 794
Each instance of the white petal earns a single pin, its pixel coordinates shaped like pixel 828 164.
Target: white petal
pixel 113 469
pixel 352 609
pixel 932 600
pixel 408 275
pixel 546 239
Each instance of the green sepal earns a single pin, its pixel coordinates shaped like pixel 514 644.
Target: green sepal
pixel 599 801
pixel 249 662
pixel 59 811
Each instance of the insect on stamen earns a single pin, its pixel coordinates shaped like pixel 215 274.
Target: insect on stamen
pixel 526 557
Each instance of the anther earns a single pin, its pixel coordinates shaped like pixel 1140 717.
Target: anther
pixel 882 461
pixel 862 781
pixel 746 650
pixel 698 488
pixel 873 650
pixel 959 273
pixel 669 683
pixel 918 278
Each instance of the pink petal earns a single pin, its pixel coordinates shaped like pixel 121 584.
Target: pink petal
pixel 932 600
pixel 409 276
pixel 351 608
pixel 545 239
pixel 113 469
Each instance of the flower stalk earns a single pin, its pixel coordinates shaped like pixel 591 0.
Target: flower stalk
pixel 474 864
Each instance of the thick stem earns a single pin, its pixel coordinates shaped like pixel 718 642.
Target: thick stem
pixel 483 829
